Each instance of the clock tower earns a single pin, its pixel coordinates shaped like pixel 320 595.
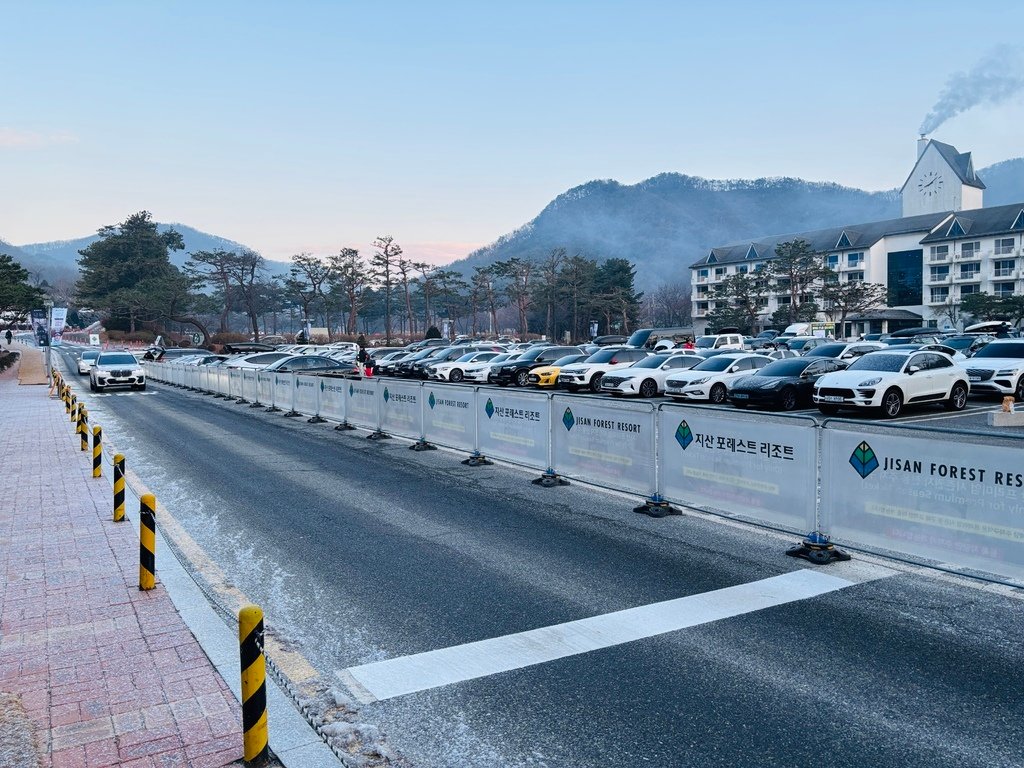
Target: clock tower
pixel 943 179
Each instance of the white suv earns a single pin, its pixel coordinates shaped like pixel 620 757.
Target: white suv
pixel 116 369
pixel 998 369
pixel 589 373
pixel 711 379
pixel 720 341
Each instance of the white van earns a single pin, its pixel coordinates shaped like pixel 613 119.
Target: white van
pixel 720 341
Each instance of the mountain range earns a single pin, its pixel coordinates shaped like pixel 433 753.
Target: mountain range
pixel 662 224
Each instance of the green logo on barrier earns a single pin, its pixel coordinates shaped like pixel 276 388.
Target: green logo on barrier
pixel 683 435
pixel 568 419
pixel 863 460
pixel 321 386
pixel 489 408
pixel 351 390
pixel 296 382
pixel 431 401
pixel 387 395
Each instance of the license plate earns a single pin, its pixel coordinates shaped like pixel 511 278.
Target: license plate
pixel 831 398
pixel 741 396
pixel 974 378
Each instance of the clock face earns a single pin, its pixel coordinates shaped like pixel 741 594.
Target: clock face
pixel 929 184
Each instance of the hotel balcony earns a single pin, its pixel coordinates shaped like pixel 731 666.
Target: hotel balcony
pixel 933 280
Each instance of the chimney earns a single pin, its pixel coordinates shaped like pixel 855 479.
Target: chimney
pixel 922 145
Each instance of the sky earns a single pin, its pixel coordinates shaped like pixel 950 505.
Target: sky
pixel 299 127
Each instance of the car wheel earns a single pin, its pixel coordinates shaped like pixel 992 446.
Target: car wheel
pixel 455 375
pixel 92 386
pixel 139 387
pixel 957 398
pixel 892 403
pixel 717 394
pixel 595 382
pixel 829 410
pixel 522 378
pixel 787 399
pixel 1018 393
pixel 648 388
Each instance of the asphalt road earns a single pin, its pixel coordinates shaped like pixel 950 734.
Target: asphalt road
pixel 363 551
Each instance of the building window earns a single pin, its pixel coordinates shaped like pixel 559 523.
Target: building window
pixel 967 290
pixel 940 295
pixel 762 302
pixel 1004 267
pixel 832 261
pixel 719 272
pixel 970 271
pixel 855 259
pixel 1004 246
pixel 702 275
pixel 702 306
pixel 702 291
pixel 855 277
pixel 741 269
pixel 938 253
pixel 905 275
pixel 938 274
pixel 970 250
pixel 1003 290
pixel 784 301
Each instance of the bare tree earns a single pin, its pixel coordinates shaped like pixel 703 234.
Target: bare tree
pixel 213 268
pixel 518 272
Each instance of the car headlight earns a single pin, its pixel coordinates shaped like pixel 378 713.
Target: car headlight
pixel 698 381
pixel 1006 372
pixel 870 382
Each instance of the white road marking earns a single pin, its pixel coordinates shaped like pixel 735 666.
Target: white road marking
pixel 422 671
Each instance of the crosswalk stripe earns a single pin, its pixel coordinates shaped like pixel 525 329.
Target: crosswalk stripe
pixel 422 671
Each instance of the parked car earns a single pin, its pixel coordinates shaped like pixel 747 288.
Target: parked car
pixel 783 384
pixel 455 370
pixel 781 354
pixel 86 359
pixel 889 379
pixel 588 373
pixel 547 375
pixel 256 361
pixel 478 372
pixel 842 351
pixel 720 341
pixel 647 378
pixel 710 380
pixel 804 344
pixel 955 355
pixel 998 369
pixel 517 371
pixel 307 364
pixel 116 369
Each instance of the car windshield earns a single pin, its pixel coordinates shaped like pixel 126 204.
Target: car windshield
pixel 90 354
pixel 1012 349
pixel 116 359
pixel 879 361
pixel 798 343
pixel 654 361
pixel 717 363
pixel 602 356
pixel 706 342
pixel 827 350
pixel 793 366
pixel 958 343
pixel 568 359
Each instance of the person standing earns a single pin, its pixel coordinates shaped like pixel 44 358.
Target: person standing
pixel 8 336
pixel 363 357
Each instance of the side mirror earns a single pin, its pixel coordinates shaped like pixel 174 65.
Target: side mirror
pixel 913 369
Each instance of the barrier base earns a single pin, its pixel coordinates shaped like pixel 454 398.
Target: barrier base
pixel 422 445
pixel 816 548
pixel 240 401
pixel 315 420
pixel 292 414
pixel 477 460
pixel 378 435
pixel 656 506
pixel 344 427
pixel 219 396
pixel 273 409
pixel 549 479
pixel 255 405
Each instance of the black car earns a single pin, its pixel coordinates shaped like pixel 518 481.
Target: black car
pixel 518 371
pixel 404 366
pixel 783 384
pixel 308 363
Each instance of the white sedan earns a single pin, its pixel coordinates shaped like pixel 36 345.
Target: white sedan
pixel 890 379
pixel 647 378
pixel 710 380
pixel 86 360
pixel 478 371
pixel 455 370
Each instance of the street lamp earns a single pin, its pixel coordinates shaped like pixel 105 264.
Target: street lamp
pixel 48 305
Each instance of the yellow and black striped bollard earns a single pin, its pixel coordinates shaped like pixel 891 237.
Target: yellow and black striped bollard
pixel 97 451
pixel 118 487
pixel 74 409
pixel 83 426
pixel 67 398
pixel 254 684
pixel 147 541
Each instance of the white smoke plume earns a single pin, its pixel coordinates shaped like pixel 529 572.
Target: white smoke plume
pixel 996 78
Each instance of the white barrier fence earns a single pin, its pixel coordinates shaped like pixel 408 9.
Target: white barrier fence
pixel 881 488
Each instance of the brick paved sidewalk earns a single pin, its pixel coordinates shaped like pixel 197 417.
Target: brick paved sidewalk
pixel 92 671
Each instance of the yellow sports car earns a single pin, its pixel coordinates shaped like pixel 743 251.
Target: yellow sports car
pixel 547 375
